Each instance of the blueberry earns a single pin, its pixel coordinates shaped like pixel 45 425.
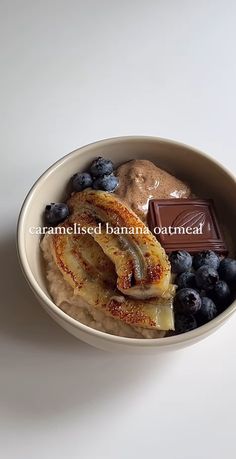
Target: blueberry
pixel 187 300
pixel 180 261
pixel 82 180
pixel 221 294
pixel 227 270
pixel 207 257
pixel 206 277
pixel 186 279
pixel 207 312
pixel 101 166
pixel 106 183
pixel 184 323
pixel 56 213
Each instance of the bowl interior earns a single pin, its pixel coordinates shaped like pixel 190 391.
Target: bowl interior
pixel 206 178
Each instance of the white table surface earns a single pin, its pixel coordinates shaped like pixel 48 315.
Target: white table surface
pixel 73 72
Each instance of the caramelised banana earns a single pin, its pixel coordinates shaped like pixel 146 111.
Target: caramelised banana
pixel 91 274
pixel 141 263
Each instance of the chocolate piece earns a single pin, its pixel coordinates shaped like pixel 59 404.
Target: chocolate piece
pixel 188 224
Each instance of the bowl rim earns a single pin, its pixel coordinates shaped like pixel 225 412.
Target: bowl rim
pixel 135 342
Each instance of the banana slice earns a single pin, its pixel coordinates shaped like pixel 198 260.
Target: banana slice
pixel 141 263
pixel 91 274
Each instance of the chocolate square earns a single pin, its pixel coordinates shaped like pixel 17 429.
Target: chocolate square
pixel 191 224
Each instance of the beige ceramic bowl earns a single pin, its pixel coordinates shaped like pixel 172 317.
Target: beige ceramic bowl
pixel 207 179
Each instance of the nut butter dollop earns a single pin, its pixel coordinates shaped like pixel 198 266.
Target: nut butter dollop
pixel 141 180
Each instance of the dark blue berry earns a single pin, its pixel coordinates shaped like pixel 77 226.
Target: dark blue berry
pixel 206 277
pixel 186 279
pixel 184 323
pixel 221 294
pixel 106 183
pixel 56 213
pixel 101 166
pixel 207 312
pixel 207 257
pixel 181 261
pixel 187 300
pixel 81 180
pixel 227 270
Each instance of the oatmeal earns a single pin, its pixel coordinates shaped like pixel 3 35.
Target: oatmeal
pixel 63 296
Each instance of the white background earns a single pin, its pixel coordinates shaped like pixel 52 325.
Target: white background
pixel 73 72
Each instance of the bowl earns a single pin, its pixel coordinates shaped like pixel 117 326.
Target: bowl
pixel 207 177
